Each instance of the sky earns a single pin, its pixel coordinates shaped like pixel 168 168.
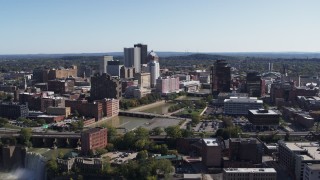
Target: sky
pixel 94 26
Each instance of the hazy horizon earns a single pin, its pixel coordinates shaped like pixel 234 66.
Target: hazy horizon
pixel 78 26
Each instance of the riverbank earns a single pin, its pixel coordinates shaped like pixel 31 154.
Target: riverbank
pixel 100 122
pixel 147 106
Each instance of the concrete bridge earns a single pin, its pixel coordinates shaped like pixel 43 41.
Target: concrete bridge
pixel 49 139
pixel 148 115
pixel 145 115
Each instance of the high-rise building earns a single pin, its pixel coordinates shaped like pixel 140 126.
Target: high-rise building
pixel 104 63
pixel 154 68
pixel 126 72
pixel 167 85
pixel 134 57
pixel 40 75
pixel 143 52
pixel 105 86
pixel 128 57
pixel 137 59
pixel 143 79
pixel 221 77
pixel 113 68
pixel 255 85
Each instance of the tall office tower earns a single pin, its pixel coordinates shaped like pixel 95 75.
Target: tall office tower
pixel 137 59
pixel 255 85
pixel 105 86
pixel 113 68
pixel 144 53
pixel 221 77
pixel 104 63
pixel 40 75
pixel 134 57
pixel 128 57
pixel 154 68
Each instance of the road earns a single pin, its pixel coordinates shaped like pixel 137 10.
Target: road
pixel 298 133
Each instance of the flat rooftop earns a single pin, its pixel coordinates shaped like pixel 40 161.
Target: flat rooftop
pixel 250 170
pixel 314 166
pixel 245 140
pixel 311 150
pixel 210 141
pixel 258 112
pixel 243 100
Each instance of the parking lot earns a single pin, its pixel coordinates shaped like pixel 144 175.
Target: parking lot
pixel 120 157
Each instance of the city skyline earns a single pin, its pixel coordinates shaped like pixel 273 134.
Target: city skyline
pixel 56 27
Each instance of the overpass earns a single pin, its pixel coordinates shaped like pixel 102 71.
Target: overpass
pixel 47 139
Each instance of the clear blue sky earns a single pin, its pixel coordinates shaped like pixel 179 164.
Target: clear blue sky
pixel 78 26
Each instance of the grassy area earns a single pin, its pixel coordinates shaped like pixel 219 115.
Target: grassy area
pixel 51 153
pixel 10 126
pixel 190 112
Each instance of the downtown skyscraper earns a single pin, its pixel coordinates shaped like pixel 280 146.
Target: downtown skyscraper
pixel 135 56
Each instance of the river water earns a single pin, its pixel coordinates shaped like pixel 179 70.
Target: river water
pixel 160 109
pixel 34 169
pixel 131 123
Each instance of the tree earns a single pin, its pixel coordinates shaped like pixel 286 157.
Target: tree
pixel 76 113
pixel 101 151
pixel 157 131
pixel 52 167
pixel 80 124
pixel 141 133
pixel 25 135
pixel 173 132
pixel 142 155
pixel 3 121
pixel 41 122
pixel 163 167
pixel 112 134
pixel 186 133
pixel 195 118
pixel 287 136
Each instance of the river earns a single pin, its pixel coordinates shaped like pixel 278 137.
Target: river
pixel 160 109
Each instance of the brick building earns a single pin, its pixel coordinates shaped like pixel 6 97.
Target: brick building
pixel 86 109
pixel 61 86
pixel 245 151
pixel 110 107
pixel 62 73
pixel 105 86
pixel 40 101
pixel 93 139
pixel 211 152
pixel 287 93
pixel 65 111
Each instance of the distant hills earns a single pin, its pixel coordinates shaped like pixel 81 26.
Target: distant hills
pixel 286 55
